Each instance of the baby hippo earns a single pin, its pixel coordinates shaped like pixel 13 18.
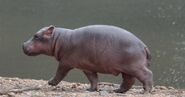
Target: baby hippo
pixel 94 49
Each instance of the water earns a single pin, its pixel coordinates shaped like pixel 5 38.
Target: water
pixel 159 23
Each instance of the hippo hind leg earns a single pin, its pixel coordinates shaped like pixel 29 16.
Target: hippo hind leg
pixel 93 78
pixel 145 76
pixel 127 83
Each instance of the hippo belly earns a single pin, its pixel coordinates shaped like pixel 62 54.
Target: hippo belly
pixel 105 59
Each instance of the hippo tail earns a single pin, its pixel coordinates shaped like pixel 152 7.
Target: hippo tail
pixel 148 56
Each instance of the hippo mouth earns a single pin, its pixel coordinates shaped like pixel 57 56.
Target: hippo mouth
pixel 27 52
pixel 30 54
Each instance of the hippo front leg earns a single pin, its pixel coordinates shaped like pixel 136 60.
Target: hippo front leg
pixel 93 78
pixel 62 71
pixel 127 83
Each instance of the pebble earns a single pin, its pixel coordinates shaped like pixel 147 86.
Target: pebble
pixel 103 93
pixel 170 87
pixel 11 94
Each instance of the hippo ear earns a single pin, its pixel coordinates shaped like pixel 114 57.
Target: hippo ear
pixel 49 31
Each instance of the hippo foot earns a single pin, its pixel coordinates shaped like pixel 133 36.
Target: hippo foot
pixel 52 83
pixel 119 91
pixel 92 89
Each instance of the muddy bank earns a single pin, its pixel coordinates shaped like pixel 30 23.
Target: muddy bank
pixel 15 87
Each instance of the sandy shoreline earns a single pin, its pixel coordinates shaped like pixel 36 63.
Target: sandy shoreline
pixel 16 87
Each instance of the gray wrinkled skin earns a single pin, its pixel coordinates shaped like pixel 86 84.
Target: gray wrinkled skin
pixel 94 49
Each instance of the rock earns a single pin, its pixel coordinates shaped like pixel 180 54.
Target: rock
pixel 170 87
pixel 11 94
pixel 161 87
pixel 74 86
pixel 103 93
pixel 116 85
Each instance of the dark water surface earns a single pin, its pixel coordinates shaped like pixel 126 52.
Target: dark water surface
pixel 159 23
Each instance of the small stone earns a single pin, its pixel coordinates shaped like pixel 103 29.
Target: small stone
pixel 104 93
pixel 74 86
pixel 116 85
pixel 78 84
pixel 11 94
pixel 170 87
pixel 163 88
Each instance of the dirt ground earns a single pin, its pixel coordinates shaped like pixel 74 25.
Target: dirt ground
pixel 16 87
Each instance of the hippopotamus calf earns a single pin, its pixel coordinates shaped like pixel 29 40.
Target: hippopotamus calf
pixel 94 49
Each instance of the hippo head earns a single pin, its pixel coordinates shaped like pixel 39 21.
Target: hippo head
pixel 40 43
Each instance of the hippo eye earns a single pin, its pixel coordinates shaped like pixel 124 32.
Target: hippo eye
pixel 36 37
